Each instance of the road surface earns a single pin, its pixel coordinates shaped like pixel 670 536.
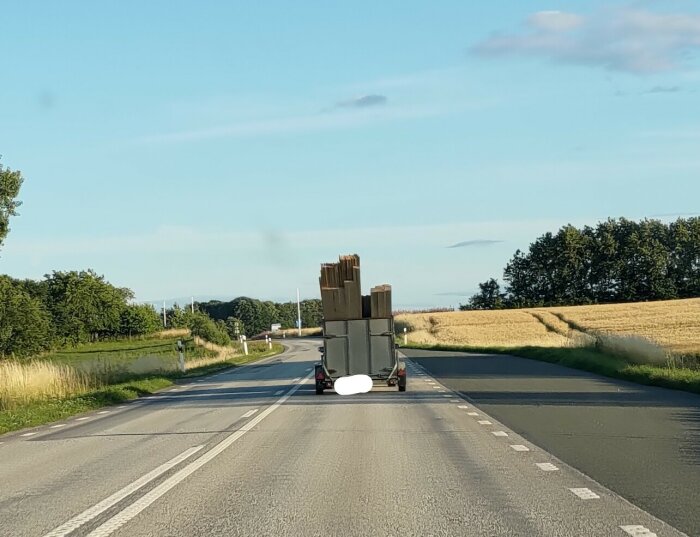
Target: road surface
pixel 254 451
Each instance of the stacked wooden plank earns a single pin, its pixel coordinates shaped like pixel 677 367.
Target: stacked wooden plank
pixel 340 289
pixel 380 301
pixel 341 292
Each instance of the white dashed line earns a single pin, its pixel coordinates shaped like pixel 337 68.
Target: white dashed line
pixel 104 412
pixel 57 426
pixel 585 494
pixel 249 413
pixel 447 395
pixel 120 407
pixel 638 531
pixel 499 433
pixel 520 447
pixel 82 419
pixel 309 369
pixel 463 406
pixel 28 434
pixel 278 392
pixel 546 466
pixel 454 400
pixel 472 413
pixel 485 422
pixel 296 380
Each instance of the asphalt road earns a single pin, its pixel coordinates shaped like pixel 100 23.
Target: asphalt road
pixel 641 442
pixel 254 451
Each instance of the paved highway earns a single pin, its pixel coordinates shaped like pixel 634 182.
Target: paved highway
pixel 254 451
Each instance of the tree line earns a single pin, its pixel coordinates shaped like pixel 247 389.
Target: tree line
pixel 618 260
pixel 255 316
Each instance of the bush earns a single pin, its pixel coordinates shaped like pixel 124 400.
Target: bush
pixel 25 326
pixel 137 320
pixel 203 326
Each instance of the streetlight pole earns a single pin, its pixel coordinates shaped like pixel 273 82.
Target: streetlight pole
pixel 298 312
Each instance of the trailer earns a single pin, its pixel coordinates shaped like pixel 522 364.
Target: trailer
pixel 360 347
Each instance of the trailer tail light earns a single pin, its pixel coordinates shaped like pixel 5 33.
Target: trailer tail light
pixel 320 375
pixel 402 372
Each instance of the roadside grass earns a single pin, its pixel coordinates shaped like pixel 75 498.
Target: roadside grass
pixel 592 360
pixel 49 407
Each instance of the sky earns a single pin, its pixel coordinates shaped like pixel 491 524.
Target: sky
pixel 217 149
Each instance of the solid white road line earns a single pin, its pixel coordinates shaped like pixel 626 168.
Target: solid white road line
pixel 485 422
pixel 121 518
pixel 546 466
pixel 499 433
pixel 249 413
pixel 86 516
pixel 638 531
pixel 585 494
pixel 58 425
pixel 520 447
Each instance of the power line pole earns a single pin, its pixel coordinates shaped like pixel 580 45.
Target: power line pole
pixel 192 304
pixel 298 312
pixel 165 318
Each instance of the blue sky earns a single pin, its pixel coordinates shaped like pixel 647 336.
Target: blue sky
pixel 220 149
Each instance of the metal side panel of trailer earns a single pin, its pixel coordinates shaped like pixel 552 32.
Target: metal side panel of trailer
pixel 360 347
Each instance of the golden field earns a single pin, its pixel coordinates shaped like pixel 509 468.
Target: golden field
pixel 672 325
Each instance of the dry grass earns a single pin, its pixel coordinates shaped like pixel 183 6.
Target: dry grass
pixel 21 383
pixel 293 332
pixel 672 324
pixel 508 328
pixel 652 332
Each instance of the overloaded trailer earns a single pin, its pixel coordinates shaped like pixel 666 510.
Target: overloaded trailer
pixel 358 332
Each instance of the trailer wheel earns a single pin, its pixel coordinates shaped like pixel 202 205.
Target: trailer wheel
pixel 402 387
pixel 319 390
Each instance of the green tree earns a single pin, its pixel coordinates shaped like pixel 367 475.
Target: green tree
pixel 489 297
pixel 25 325
pixel 203 326
pixel 234 327
pixel 84 306
pixel 137 320
pixel 10 184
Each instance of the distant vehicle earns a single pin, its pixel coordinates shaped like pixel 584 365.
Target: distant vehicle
pixel 360 347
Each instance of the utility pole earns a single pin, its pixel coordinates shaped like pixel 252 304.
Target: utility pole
pixel 192 304
pixel 298 312
pixel 165 318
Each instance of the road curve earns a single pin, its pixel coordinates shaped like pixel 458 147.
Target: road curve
pixel 253 451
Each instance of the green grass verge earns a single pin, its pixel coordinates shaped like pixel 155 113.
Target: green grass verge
pixel 41 412
pixel 594 361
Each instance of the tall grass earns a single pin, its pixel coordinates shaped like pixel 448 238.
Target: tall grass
pixel 27 382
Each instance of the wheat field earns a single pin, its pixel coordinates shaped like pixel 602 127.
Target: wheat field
pixel 672 325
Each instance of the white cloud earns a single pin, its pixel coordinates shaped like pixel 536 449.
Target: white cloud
pixel 623 39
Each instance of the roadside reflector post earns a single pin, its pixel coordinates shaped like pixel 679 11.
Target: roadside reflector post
pixel 269 342
pixel 405 336
pixel 245 346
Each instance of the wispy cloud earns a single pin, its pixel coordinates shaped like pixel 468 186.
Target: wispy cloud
pixel 474 242
pixel 663 89
pixel 623 39
pixel 344 119
pixel 364 101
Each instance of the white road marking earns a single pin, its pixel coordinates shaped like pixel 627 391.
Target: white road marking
pixel 485 422
pixel 546 466
pixel 278 392
pixel 218 394
pixel 309 369
pixel 86 516
pixel 57 426
pixel 585 494
pixel 249 413
pixel 29 434
pixel 122 406
pixel 472 413
pixel 638 531
pixel 520 447
pixel 447 395
pixel 83 419
pixel 121 518
pixel 499 433
pixel 436 388
pixel 104 412
pixel 463 406
pixel 454 400
pixel 296 380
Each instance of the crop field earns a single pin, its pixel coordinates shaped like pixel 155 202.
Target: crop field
pixel 671 325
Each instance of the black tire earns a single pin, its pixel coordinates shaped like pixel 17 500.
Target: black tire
pixel 402 387
pixel 319 390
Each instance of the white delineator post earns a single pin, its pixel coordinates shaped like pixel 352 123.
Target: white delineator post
pixel 405 336
pixel 245 345
pixel 269 342
pixel 181 355
pixel 298 312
